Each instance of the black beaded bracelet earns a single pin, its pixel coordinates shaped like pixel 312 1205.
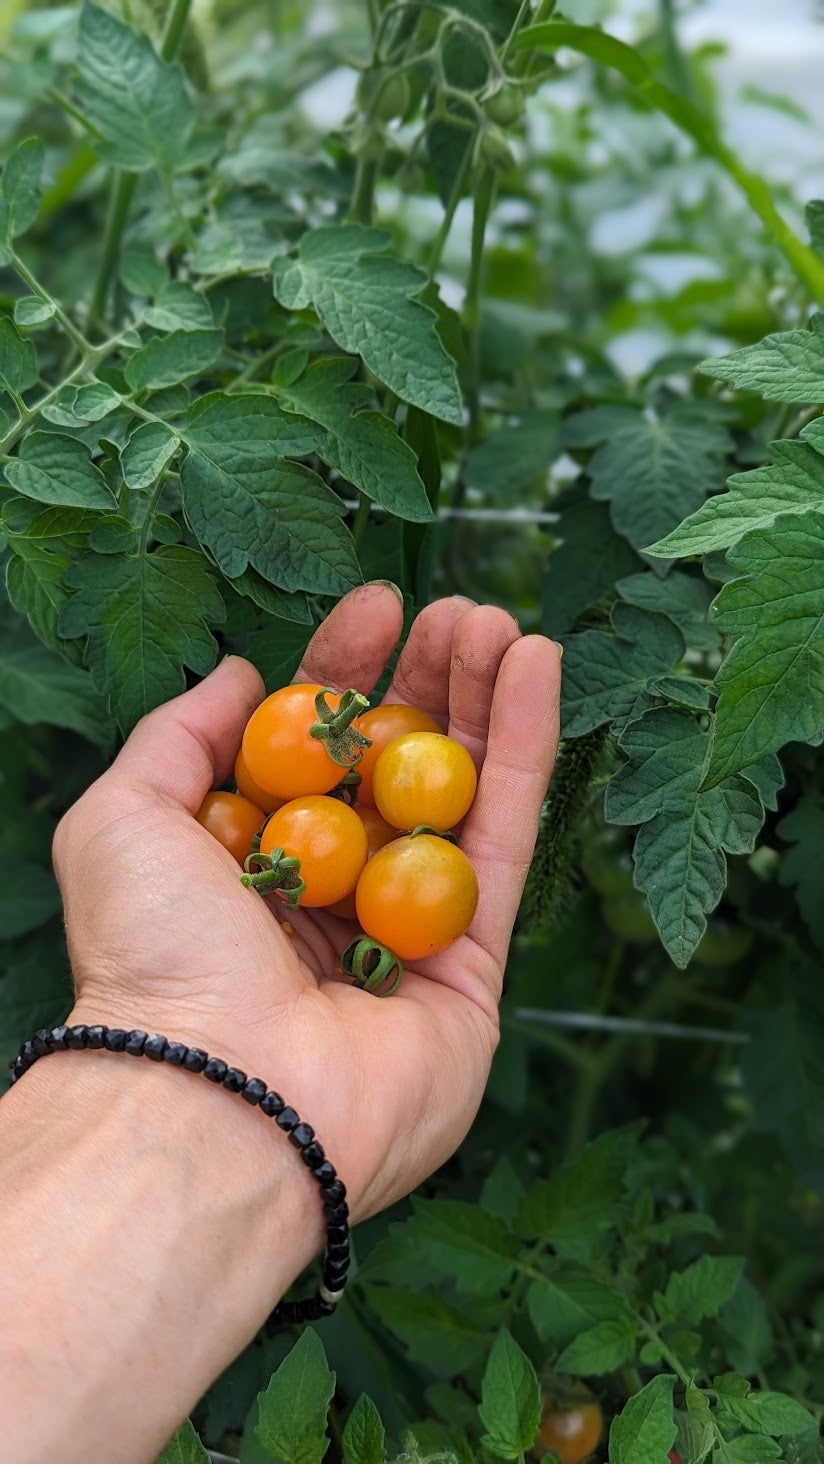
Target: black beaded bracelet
pixel 255 1092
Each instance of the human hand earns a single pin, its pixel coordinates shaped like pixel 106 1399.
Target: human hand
pixel 163 936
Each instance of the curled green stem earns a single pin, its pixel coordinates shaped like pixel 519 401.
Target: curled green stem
pixel 274 873
pixel 371 966
pixel 334 728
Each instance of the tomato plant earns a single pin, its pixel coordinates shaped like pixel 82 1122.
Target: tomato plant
pixel 417 895
pixel 424 778
pixel 232 820
pixel 329 840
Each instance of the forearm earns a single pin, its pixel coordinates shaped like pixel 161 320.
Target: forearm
pixel 148 1223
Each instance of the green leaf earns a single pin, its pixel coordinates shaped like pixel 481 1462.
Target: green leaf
pixel 18 362
pixel 801 865
pixel 249 506
pixel 28 897
pixel 513 457
pixel 35 989
pixel 168 359
pixel 439 1336
pixel 363 1434
pixel 583 568
pixel 363 446
pixel 143 273
pixel 147 618
pixel 694 1439
pixel 510 1407
pixel 502 1191
pixel 654 473
pixel 746 1326
pixel 702 1289
pixel 277 651
pixel 53 468
pixel 679 853
pixel 178 306
pixel 783 1070
pixel 685 598
pixel 149 449
pixel 606 1346
pixel 365 299
pixel 787 367
pixel 608 678
pixel 769 1413
pixel 30 311
pixel 137 103
pixel 772 680
pixel 746 1449
pixel 44 541
pixel 38 686
pixel 280 603
pixel 466 1243
pixel 20 189
pixel 580 1201
pixel 184 1448
pixel 572 1301
pixel 644 1431
pixel 75 406
pixel 792 483
pixel 292 1412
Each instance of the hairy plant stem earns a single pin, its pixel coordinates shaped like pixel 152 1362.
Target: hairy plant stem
pixel 362 207
pixel 92 359
pixel 75 336
pixel 455 196
pixel 361 520
pixel 472 305
pixel 174 27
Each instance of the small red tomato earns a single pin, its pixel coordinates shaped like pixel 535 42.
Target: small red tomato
pixel 252 790
pixel 232 820
pixel 424 778
pixel 673 1457
pixel 378 833
pixel 382 725
pixel 329 840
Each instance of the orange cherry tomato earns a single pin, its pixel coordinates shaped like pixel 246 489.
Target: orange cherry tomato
pixel 250 789
pixel 572 1433
pixel 278 751
pixel 329 840
pixel 417 895
pixel 232 820
pixel 378 833
pixel 382 725
pixel 424 778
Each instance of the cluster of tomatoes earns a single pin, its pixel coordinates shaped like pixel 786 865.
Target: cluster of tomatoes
pixel 350 810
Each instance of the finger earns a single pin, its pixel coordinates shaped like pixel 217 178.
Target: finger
pixel 355 641
pixel 500 829
pixel 188 745
pixel 480 641
pixel 421 677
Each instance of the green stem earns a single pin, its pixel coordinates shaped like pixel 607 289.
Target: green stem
pixel 668 1355
pixel 361 520
pixel 68 106
pixel 90 361
pixel 122 192
pixel 176 18
pixel 454 199
pixel 472 305
pixel 362 207
pixel 75 336
pixel 516 26
pixel 609 51
pixel 676 65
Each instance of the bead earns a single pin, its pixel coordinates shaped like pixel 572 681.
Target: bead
pixel 195 1059
pixel 287 1119
pixel 330 1298
pixel 336 1213
pixel 337 1250
pixel 95 1036
pixel 335 1267
pixel 75 1038
pixel 134 1041
pixel 215 1070
pixel 57 1039
pixel 336 1232
pixel 333 1192
pixel 335 1278
pixel 254 1090
pixel 312 1155
pixel 115 1039
pixel 28 1053
pixel 175 1053
pixel 271 1104
pixel 302 1134
pixel 40 1042
pixel 154 1047
pixel 325 1172
pixel 234 1079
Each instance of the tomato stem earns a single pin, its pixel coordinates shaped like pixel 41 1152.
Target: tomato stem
pixel 278 872
pixel 438 833
pixel 371 965
pixel 343 742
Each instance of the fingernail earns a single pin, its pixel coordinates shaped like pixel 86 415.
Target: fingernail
pixel 388 585
pixel 559 648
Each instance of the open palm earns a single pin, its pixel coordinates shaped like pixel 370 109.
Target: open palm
pixel 163 936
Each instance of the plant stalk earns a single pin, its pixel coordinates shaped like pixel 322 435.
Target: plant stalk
pixel 472 304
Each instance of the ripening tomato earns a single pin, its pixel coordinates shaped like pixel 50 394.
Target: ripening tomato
pixel 417 895
pixel 384 724
pixel 329 840
pixel 572 1433
pixel 378 833
pixel 232 820
pixel 673 1457
pixel 250 789
pixel 424 778
pixel 278 751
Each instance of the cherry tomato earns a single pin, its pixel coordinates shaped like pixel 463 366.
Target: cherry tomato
pixel 572 1433
pixel 329 840
pixel 382 725
pixel 424 778
pixel 278 751
pixel 673 1457
pixel 506 106
pixel 232 820
pixel 251 790
pixel 378 833
pixel 417 895
pixel 384 96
